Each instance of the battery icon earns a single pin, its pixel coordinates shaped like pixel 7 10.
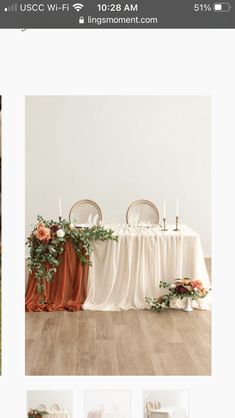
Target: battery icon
pixel 222 7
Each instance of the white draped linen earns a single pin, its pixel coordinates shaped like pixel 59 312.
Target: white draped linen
pixel 123 273
pixel 114 414
pixel 106 414
pixel 57 415
pixel 169 412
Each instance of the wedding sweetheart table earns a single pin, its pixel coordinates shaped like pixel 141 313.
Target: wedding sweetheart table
pixel 123 273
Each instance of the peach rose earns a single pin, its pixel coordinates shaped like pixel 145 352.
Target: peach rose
pixel 196 283
pixel 42 233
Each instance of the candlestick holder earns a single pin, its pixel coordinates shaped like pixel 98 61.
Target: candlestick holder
pixel 60 218
pixel 164 225
pixel 176 224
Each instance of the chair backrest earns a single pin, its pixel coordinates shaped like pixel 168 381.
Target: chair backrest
pixel 113 408
pixel 157 405
pixel 142 212
pixel 55 408
pixel 100 408
pixel 149 408
pixel 86 212
pixel 41 407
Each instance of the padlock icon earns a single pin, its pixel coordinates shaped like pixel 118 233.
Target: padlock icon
pixel 81 20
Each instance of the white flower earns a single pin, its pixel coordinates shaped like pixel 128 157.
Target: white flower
pixel 71 226
pixel 60 233
pixel 172 286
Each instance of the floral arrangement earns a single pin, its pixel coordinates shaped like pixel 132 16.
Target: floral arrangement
pixel 34 413
pixel 46 245
pixel 180 288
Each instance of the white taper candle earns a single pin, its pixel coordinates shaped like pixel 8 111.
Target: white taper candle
pixel 164 208
pixel 177 206
pixel 60 211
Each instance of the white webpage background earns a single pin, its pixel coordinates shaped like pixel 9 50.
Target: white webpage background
pixel 164 62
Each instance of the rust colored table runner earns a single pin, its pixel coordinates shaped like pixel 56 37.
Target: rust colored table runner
pixel 68 289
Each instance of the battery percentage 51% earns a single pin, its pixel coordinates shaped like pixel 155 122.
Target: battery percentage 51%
pixel 202 7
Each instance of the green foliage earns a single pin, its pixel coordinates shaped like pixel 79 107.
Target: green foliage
pixel 34 413
pixel 158 304
pixel 46 246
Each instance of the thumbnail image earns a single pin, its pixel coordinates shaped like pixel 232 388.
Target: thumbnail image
pixel 50 404
pixel 107 404
pixel 166 404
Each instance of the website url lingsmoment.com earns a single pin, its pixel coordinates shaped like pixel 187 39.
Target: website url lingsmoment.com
pixel 121 20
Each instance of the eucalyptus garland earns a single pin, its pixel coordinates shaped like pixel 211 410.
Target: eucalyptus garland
pixel 47 241
pixel 34 413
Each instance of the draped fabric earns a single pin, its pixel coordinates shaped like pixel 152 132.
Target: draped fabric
pixel 94 414
pixel 169 412
pixel 68 289
pixel 106 414
pixel 123 273
pixel 56 415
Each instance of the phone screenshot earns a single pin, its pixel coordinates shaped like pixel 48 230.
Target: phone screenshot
pixel 117 166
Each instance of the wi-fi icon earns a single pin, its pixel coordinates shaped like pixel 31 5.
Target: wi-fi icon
pixel 78 6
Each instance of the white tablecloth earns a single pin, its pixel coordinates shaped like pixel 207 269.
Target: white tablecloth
pixel 106 414
pixel 57 415
pixel 169 412
pixel 124 272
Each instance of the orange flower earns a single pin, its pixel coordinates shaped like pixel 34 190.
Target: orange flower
pixel 196 283
pixel 204 291
pixel 42 233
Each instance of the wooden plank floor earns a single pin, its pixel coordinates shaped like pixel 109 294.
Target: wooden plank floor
pixel 119 343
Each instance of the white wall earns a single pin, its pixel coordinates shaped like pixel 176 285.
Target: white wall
pixel 64 398
pixel 178 398
pixel 107 398
pixel 115 149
